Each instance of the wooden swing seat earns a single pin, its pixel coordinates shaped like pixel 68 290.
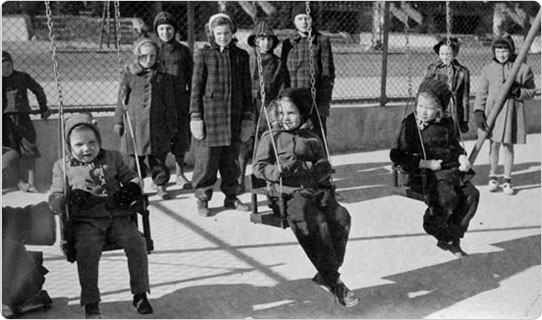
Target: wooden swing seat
pixel 276 216
pixel 67 244
pixel 399 186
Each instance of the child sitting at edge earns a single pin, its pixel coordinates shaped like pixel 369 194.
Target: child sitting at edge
pixel 264 41
pixel 147 96
pixel 320 224
pixel 221 114
pixel 460 86
pixel 451 198
pixel 101 188
pixel 510 126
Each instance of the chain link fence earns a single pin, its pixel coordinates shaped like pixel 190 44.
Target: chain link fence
pixel 85 37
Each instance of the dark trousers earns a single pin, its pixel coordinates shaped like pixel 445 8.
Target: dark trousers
pixel 321 231
pixel 450 210
pixel 89 243
pixel 208 162
pixel 159 171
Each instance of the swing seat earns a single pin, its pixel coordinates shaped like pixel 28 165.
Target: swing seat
pixel 67 242
pixel 276 216
pixel 400 187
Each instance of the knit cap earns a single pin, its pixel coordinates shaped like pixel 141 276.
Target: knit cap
pixel 262 29
pixel 164 18
pixel 437 89
pixel 301 97
pixel 454 43
pixel 221 15
pixel 505 41
pixel 141 42
pixel 6 56
pixel 301 8
pixel 81 119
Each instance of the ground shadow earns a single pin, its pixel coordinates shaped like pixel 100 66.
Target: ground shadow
pixel 413 294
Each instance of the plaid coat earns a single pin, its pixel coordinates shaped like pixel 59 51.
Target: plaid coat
pixel 295 54
pixel 150 103
pixel 176 60
pixel 221 94
pixel 460 85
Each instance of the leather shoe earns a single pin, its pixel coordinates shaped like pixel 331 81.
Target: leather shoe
pixel 234 203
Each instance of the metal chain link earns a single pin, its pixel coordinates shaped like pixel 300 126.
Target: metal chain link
pixel 54 57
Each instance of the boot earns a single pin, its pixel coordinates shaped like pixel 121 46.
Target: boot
pixel 234 203
pixel 203 208
pixel 142 304
pixel 92 311
pixel 161 191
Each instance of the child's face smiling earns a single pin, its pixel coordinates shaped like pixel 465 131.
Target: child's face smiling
pixel 502 54
pixel 7 68
pixel 84 144
pixel 147 56
pixel 289 115
pixel 427 108
pixel 222 35
pixel 302 23
pixel 166 32
pixel 264 44
pixel 445 54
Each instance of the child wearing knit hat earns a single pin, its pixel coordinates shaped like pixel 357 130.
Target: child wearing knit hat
pixel 510 124
pixel 176 60
pixel 428 144
pixel 320 224
pixel 100 189
pixel 221 111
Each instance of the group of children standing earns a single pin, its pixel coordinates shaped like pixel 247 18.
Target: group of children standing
pixel 165 93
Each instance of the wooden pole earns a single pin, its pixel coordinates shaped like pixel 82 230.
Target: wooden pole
pixel 383 98
pixel 482 135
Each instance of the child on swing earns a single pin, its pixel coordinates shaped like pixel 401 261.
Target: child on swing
pixel 460 84
pixel 510 127
pixel 320 224
pixel 147 96
pixel 221 114
pixel 428 144
pixel 176 60
pixel 264 41
pixel 101 188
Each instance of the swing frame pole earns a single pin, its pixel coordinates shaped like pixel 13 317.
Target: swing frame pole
pixel 483 135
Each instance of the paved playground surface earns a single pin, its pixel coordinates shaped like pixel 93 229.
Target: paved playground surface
pixel 226 267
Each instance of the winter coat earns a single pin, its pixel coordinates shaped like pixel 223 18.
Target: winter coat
pixel 299 144
pixel 176 60
pixel 221 94
pixel 441 142
pixel 295 54
pixel 102 177
pixel 510 124
pixel 150 102
pixel 460 85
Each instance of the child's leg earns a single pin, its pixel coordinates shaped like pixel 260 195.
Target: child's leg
pixel 435 220
pixel 160 172
pixel 469 198
pixel 89 243
pixel 205 170
pixel 508 159
pixel 244 155
pixel 339 221
pixel 124 233
pixel 229 170
pixel 494 148
pixel 181 180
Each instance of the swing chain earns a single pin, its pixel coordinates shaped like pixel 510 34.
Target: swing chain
pixel 311 55
pixel 408 56
pixel 54 57
pixel 118 35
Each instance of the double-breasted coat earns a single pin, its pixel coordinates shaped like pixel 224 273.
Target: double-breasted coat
pixel 221 93
pixel 510 124
pixel 150 103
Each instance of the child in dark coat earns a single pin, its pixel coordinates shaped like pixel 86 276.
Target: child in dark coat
pixel 320 224
pixel 264 41
pixel 460 84
pixel 451 198
pixel 296 56
pixel 147 97
pixel 176 60
pixel 221 114
pixel 100 189
pixel 17 129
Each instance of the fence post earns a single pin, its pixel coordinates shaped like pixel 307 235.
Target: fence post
pixel 190 22
pixel 383 98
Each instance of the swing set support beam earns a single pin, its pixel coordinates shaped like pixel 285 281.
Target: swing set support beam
pixel 482 135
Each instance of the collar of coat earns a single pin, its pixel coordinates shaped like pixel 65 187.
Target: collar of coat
pixel 297 37
pixel 454 63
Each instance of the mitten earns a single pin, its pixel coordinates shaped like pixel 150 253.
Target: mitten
pixel 464 163
pixel 480 120
pixel 197 128
pixel 515 90
pixel 57 203
pixel 78 198
pixel 127 194
pixel 119 129
pixel 289 167
pixel 322 169
pixel 433 165
pixel 247 129
pixel 464 127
